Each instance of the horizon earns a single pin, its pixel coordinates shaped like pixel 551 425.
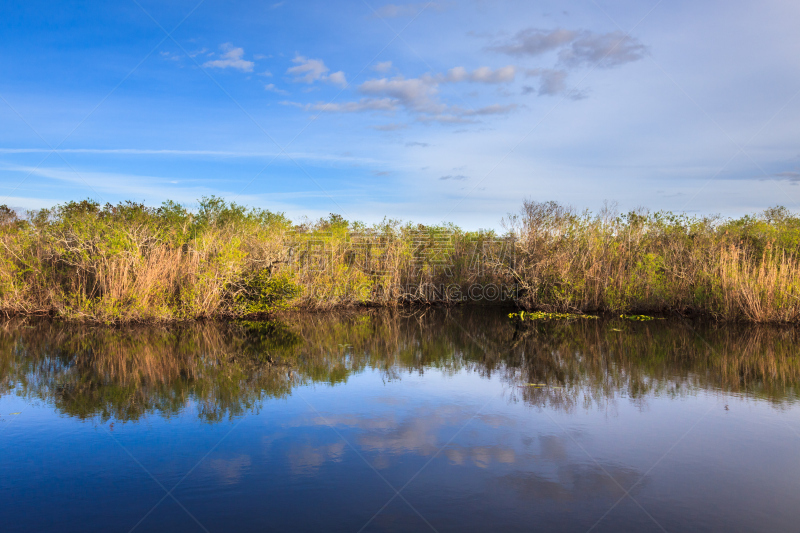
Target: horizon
pixel 424 112
pixel 609 208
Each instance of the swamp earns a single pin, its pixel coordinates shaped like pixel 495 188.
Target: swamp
pixel 443 419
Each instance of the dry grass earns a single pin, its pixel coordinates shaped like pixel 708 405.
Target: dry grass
pixel 128 262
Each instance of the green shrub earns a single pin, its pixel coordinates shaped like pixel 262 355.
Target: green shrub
pixel 264 293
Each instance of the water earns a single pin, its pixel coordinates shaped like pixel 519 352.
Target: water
pixel 400 422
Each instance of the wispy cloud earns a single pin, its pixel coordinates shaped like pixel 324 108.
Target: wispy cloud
pixel 459 115
pixel 365 104
pixel 413 93
pixel 171 57
pixel 231 58
pixel 552 82
pixel 534 42
pixel 604 50
pixel 575 47
pixel 338 78
pixel 155 189
pixel 407 10
pixel 788 175
pixel 191 153
pixel 137 186
pixel 456 177
pixel 307 70
pixel 481 75
pixel 394 126
pixel 271 87
pixel 383 66
pixel 572 49
pixel 311 70
pixel 419 96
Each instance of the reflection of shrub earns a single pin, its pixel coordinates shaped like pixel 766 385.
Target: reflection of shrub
pixel 223 370
pixel 269 341
pixel 265 293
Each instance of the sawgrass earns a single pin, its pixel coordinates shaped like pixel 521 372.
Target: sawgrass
pixel 129 262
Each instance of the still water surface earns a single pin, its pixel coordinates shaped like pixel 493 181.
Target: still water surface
pixel 436 421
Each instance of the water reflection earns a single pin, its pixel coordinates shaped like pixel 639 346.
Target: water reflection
pixel 482 425
pixel 225 370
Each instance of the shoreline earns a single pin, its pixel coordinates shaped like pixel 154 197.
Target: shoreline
pixel 81 261
pixel 693 316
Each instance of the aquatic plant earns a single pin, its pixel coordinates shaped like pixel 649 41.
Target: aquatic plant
pixel 640 318
pixel 541 315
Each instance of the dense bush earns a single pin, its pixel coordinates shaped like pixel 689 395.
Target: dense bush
pixel 130 262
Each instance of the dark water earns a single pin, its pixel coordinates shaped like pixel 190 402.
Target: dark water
pixel 387 422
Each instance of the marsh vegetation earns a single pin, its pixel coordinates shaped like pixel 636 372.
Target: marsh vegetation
pixel 129 262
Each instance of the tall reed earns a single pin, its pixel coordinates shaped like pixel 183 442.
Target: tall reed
pixel 130 262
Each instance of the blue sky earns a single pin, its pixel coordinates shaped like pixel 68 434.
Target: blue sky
pixel 422 111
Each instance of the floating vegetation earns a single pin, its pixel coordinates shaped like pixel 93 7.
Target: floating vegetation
pixel 640 318
pixel 540 315
pixel 541 386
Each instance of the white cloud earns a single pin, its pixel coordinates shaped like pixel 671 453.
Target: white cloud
pixel 307 70
pixel 494 109
pixel 390 127
pixel 316 156
pixel 231 58
pixel 383 66
pixel 338 78
pixel 606 50
pixel 788 175
pixel 407 10
pixel 419 96
pixel 271 87
pixel 173 57
pixel 458 115
pixel 482 75
pixel 414 93
pixel 311 70
pixel 533 42
pixel 552 82
pixel 365 104
pixel 576 47
pixel 137 186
